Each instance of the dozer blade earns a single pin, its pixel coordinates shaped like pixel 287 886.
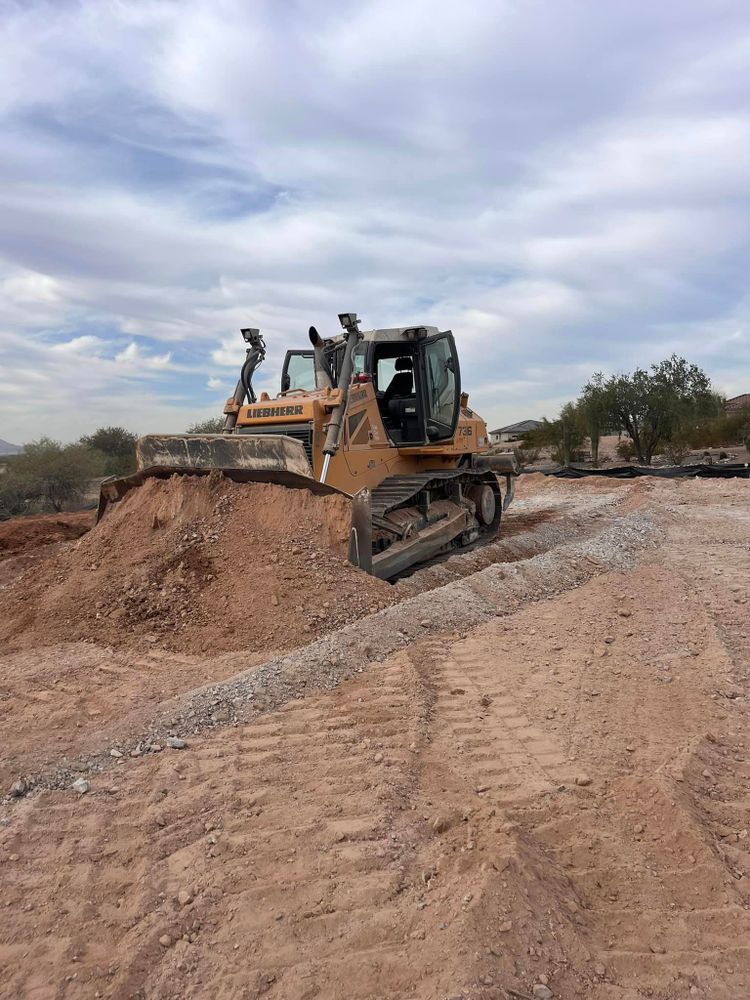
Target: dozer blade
pixel 244 458
pixel 269 452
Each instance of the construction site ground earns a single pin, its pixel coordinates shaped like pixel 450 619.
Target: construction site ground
pixel 235 767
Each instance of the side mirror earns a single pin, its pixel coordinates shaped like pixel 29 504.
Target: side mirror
pixel 286 382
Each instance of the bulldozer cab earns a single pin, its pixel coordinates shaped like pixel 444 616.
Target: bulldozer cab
pixel 417 383
pixel 417 386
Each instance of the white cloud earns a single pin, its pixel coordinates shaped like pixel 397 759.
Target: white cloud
pixel 86 345
pixel 133 356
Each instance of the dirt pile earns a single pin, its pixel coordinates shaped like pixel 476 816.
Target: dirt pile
pixel 199 564
pixel 20 534
pixel 26 541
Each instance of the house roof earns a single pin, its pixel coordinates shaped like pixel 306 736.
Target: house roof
pixel 738 402
pixel 520 428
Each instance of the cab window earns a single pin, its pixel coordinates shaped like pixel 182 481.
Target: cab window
pixel 299 371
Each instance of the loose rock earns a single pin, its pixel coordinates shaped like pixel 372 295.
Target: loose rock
pixel 542 992
pixel 18 789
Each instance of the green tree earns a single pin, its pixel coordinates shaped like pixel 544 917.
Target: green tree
pixel 654 406
pixel 117 445
pixel 51 476
pixel 563 436
pixel 214 425
pixel 593 407
pixel 13 494
pixel 571 433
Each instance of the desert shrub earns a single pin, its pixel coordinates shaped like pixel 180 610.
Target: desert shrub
pixel 49 476
pixel 626 449
pixel 527 456
pixel 723 431
pixel 12 496
pixel 574 456
pixel 118 448
pixel 214 425
pixel 563 436
pixel 676 451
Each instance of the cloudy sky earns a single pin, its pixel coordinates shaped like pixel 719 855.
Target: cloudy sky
pixel 564 183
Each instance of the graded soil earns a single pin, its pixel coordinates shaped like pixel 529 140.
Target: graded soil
pixel 535 786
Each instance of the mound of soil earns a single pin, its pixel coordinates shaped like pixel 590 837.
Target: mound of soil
pixel 198 564
pixel 19 534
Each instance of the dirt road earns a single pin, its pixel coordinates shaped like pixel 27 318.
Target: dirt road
pixel 528 775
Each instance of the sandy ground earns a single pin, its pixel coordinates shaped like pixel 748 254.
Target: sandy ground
pixel 27 541
pixel 536 784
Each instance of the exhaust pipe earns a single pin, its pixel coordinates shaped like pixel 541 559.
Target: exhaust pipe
pixel 323 374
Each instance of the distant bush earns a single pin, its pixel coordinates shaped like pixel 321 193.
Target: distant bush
pixel 723 431
pixel 214 425
pixel 526 456
pixel 48 476
pixel 12 496
pixel 117 447
pixel 676 451
pixel 626 450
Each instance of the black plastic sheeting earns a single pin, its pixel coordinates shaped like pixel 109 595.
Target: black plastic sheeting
pixel 737 471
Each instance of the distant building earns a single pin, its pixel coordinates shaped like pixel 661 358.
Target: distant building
pixel 737 403
pixel 513 432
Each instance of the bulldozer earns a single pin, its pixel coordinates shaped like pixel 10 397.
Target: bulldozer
pixel 377 415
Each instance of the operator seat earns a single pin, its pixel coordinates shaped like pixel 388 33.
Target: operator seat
pixel 399 404
pixel 402 383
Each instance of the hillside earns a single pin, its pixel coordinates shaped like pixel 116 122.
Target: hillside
pixel 6 448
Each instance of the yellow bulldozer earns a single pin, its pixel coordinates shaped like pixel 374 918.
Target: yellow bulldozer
pixel 378 415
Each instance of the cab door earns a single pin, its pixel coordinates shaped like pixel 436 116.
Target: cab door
pixel 440 379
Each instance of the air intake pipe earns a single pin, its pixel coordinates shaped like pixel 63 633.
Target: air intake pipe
pixel 255 356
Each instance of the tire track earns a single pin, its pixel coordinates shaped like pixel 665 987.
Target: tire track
pixel 298 867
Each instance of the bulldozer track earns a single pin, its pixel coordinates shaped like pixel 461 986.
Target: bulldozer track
pixel 492 745
pixel 321 781
pixel 396 491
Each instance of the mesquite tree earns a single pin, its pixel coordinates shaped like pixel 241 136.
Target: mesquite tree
pixel 652 406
